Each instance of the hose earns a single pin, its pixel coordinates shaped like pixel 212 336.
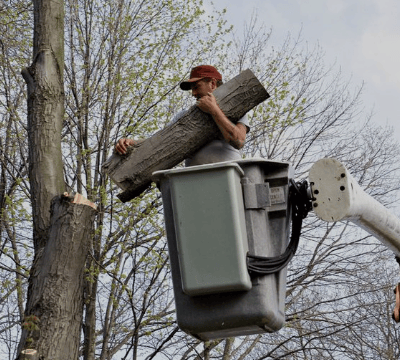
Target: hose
pixel 300 202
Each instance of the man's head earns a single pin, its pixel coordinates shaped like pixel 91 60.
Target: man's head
pixel 203 79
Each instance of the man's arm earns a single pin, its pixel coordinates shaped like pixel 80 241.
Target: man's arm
pixel 233 134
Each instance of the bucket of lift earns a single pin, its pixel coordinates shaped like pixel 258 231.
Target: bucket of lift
pixel 215 216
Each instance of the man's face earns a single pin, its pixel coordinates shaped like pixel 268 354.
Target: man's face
pixel 202 88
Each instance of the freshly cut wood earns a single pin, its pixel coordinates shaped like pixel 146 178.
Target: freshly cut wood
pixel 132 172
pixel 29 354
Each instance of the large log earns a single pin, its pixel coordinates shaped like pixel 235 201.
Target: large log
pixel 168 147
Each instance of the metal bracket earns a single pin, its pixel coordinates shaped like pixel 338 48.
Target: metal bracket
pixel 256 196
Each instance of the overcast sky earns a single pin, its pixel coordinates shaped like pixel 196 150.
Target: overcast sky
pixel 361 36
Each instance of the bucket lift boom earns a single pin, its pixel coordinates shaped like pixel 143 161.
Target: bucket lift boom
pixel 336 196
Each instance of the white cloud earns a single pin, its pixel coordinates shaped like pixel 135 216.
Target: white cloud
pixel 381 52
pixel 361 36
pixel 337 6
pixel 379 49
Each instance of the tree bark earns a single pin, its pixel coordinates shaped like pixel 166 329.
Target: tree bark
pixel 170 146
pixel 45 113
pixel 56 285
pixel 61 229
pixel 89 323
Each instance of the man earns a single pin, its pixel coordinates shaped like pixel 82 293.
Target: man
pixel 204 79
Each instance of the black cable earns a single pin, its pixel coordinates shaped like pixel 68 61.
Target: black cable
pixel 300 201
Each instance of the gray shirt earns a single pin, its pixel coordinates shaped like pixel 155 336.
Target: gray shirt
pixel 215 151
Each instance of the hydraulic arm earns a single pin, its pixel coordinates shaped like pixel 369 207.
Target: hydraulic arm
pixel 336 196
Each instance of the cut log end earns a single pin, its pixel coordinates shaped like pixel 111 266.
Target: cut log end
pixel 29 354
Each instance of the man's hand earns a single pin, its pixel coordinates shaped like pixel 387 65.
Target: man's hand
pixel 208 104
pixel 122 145
pixel 233 134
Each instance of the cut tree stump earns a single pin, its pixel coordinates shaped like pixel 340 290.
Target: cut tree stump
pixel 56 278
pixel 133 171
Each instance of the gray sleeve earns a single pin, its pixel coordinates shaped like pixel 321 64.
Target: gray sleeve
pixel 245 121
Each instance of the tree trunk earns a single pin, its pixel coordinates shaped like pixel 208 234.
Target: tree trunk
pixel 45 113
pixel 56 285
pixel 89 323
pixel 170 146
pixel 61 229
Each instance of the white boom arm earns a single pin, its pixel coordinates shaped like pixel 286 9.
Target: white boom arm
pixel 338 197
